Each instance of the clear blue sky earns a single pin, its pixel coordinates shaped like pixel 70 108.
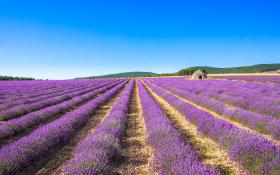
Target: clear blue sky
pixel 65 39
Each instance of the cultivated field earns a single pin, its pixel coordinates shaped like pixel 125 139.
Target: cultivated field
pixel 226 125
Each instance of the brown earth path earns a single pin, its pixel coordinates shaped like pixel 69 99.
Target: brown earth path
pixel 136 155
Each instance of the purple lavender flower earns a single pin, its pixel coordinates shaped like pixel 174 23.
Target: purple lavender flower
pixel 15 155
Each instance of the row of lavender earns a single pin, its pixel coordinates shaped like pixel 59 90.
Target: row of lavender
pixel 16 88
pixel 263 124
pixel 32 97
pixel 257 154
pixel 93 154
pixel 261 78
pixel 261 98
pixel 17 125
pixel 42 91
pixel 38 88
pixel 171 154
pixel 22 109
pixel 18 154
pixel 51 87
pixel 45 95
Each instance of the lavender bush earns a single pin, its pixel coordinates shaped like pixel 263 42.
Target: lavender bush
pixel 171 154
pixel 261 123
pixel 14 126
pixel 19 153
pixel 11 91
pixel 93 154
pixel 260 78
pixel 262 98
pixel 257 154
pixel 45 95
pixel 26 108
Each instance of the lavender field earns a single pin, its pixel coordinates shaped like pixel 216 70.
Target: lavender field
pixel 164 125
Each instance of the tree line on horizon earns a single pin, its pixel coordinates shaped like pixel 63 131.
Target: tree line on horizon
pixel 7 78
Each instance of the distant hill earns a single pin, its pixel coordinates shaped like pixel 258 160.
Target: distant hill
pixel 244 69
pixel 259 68
pixel 6 78
pixel 127 74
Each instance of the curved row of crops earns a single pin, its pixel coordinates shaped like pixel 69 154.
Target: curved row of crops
pixel 39 119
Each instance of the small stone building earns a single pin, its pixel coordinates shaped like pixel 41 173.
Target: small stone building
pixel 199 75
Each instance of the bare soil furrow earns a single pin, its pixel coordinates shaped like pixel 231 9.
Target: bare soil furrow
pixel 136 155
